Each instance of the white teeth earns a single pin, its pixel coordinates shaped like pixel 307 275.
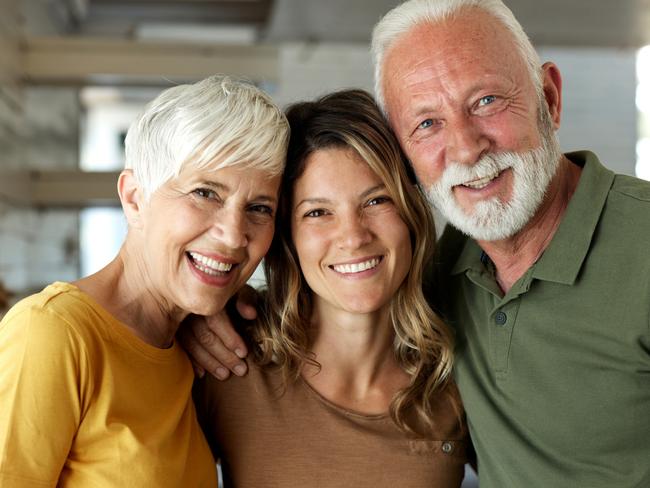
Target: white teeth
pixel 356 267
pixel 208 265
pixel 481 182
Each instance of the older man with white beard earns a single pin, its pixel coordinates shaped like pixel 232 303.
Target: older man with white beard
pixel 548 281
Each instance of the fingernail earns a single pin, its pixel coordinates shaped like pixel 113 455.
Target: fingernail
pixel 240 370
pixel 240 353
pixel 221 373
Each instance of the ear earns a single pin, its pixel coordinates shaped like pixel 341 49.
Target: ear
pixel 131 197
pixel 552 85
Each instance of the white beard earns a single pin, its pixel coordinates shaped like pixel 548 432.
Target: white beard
pixel 492 219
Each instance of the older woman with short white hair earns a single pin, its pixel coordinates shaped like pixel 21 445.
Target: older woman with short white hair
pixel 94 391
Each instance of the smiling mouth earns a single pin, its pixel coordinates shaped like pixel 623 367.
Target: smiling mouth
pixel 357 267
pixel 480 183
pixel 208 265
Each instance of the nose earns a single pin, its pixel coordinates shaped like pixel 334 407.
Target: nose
pixel 466 141
pixel 353 231
pixel 230 228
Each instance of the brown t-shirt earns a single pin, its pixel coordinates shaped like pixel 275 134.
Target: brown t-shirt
pixel 264 438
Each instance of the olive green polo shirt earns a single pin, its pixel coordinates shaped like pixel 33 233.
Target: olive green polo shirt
pixel 555 375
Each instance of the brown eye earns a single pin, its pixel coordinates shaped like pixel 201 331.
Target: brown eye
pixel 317 212
pixel 378 201
pixel 205 193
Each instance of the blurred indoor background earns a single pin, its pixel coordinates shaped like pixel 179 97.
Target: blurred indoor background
pixel 74 73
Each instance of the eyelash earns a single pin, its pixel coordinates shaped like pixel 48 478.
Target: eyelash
pixel 319 212
pixel 430 121
pixel 312 213
pixel 208 194
pixel 378 201
pixel 263 209
pixel 205 193
pixel 492 99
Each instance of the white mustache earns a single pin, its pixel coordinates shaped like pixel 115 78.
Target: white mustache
pixel 488 166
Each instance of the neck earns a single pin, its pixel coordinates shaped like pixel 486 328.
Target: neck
pixel 124 289
pixel 358 366
pixel 513 256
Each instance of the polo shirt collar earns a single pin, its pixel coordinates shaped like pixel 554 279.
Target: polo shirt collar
pixel 562 260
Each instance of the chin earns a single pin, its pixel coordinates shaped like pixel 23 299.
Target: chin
pixel 365 306
pixel 208 305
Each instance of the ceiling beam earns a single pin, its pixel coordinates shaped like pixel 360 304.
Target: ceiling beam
pixel 82 61
pixel 71 188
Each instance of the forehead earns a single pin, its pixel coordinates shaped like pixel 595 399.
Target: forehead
pixel 468 48
pixel 232 178
pixel 334 168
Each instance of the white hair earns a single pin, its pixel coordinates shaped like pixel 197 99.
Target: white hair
pixel 215 123
pixel 403 18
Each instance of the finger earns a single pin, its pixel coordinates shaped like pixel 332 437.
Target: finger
pixel 219 329
pixel 204 360
pixel 224 346
pixel 199 372
pixel 246 303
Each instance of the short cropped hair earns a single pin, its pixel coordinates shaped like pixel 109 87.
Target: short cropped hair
pixel 215 123
pixel 403 18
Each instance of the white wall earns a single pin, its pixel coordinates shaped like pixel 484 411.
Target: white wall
pixel 599 103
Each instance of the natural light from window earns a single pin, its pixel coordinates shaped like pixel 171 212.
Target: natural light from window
pixel 643 106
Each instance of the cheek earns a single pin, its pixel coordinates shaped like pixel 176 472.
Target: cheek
pixel 425 158
pixel 309 248
pixel 261 242
pixel 512 132
pixel 404 255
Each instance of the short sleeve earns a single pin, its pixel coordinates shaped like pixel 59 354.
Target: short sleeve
pixel 40 396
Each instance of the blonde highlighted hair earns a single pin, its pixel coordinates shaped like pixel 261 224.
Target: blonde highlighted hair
pixel 215 123
pixel 423 343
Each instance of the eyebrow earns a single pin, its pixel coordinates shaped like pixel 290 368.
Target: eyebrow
pixel 220 186
pixel 366 193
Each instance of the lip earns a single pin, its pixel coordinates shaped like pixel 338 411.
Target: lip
pixel 361 274
pixel 216 256
pixel 218 281
pixel 487 189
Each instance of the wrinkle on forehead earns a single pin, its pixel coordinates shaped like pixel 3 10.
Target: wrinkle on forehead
pixel 442 54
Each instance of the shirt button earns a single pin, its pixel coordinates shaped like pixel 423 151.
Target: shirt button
pixel 447 447
pixel 500 318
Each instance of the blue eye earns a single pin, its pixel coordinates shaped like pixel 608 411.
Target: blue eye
pixel 426 124
pixel 486 100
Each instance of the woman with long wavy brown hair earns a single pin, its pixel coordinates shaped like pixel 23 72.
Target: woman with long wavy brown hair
pixel 351 378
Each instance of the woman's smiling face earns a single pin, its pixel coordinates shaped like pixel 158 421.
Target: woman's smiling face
pixel 353 246
pixel 204 233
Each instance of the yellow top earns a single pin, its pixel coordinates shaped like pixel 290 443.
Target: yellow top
pixel 86 403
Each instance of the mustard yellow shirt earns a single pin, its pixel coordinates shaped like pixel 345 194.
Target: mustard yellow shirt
pixel 86 403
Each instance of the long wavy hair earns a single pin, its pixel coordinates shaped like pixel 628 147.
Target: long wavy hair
pixel 423 345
